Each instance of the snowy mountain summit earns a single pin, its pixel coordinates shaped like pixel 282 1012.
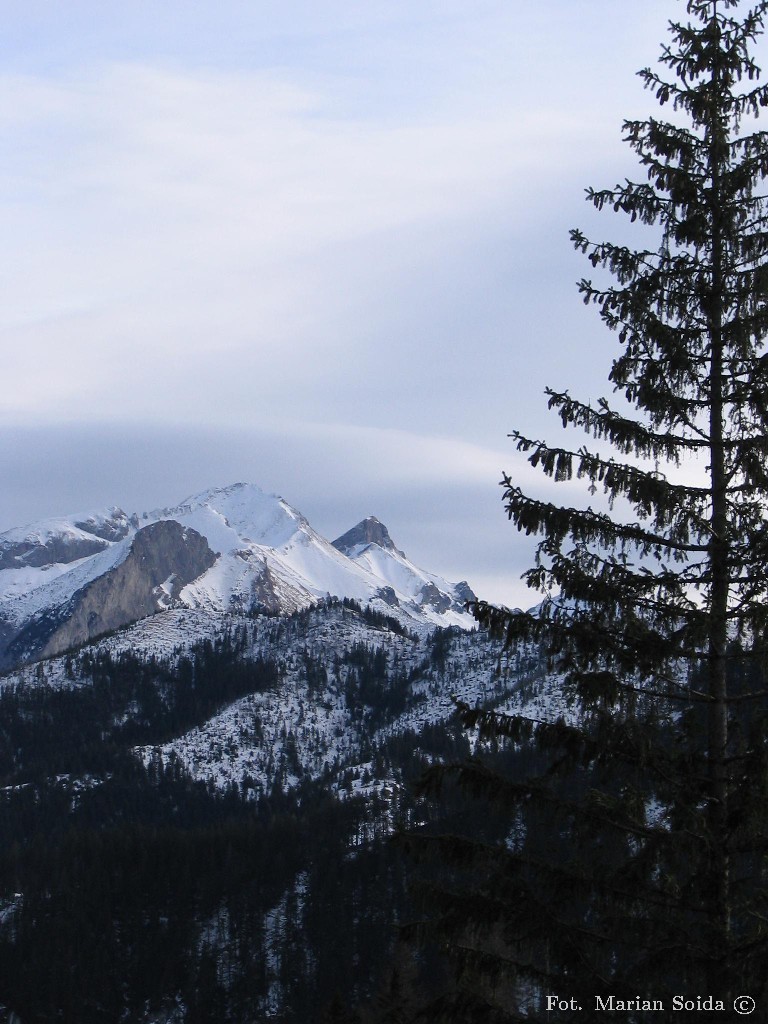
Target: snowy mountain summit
pixel 66 580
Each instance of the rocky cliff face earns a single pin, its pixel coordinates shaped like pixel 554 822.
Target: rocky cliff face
pixel 464 593
pixel 369 531
pixel 55 549
pixel 163 558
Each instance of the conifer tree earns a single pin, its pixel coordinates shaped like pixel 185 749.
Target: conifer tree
pixel 637 867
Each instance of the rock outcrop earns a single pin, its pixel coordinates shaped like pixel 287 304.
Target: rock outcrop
pixel 89 536
pixel 369 531
pixel 162 559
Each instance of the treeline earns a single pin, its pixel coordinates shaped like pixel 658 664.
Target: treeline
pixel 117 702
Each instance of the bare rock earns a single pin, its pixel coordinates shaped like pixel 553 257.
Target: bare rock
pixel 163 558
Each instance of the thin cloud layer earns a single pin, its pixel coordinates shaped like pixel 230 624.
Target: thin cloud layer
pixel 210 217
pixel 337 230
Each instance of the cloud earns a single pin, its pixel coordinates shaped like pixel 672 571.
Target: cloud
pixel 438 495
pixel 172 225
pixel 321 246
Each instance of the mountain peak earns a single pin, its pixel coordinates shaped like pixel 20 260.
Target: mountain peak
pixel 260 554
pixel 214 495
pixel 367 531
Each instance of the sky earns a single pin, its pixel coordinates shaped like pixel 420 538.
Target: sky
pixel 317 245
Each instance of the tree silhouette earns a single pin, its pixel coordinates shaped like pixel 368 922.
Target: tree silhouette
pixel 636 864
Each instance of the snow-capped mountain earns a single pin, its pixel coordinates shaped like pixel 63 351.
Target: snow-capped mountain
pixel 226 712
pixel 369 545
pixel 66 580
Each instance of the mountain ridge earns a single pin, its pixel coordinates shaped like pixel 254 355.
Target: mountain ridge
pixel 260 554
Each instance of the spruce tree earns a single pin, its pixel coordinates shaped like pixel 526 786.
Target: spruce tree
pixel 637 866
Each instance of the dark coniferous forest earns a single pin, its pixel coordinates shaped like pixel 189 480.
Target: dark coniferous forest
pixel 133 892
